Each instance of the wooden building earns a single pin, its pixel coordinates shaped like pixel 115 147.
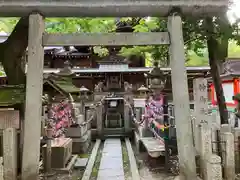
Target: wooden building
pixel 230 76
pixel 89 69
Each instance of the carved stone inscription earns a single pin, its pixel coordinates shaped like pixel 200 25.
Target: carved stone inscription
pixel 200 92
pixel 201 100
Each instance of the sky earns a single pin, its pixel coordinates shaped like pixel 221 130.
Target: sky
pixel 234 11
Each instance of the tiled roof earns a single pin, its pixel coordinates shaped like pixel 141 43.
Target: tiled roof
pixel 231 67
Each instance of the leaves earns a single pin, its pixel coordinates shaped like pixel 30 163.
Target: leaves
pixel 193 32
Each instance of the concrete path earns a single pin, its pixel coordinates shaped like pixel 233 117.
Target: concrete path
pixel 111 165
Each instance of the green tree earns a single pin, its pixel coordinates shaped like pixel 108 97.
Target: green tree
pixel 193 29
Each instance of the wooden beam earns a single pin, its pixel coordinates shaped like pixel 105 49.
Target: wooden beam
pixel 33 109
pixel 110 8
pixel 106 39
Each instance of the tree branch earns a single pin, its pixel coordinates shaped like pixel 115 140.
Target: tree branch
pixel 213 62
pixel 12 51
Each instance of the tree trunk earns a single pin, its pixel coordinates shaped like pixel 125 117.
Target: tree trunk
pixel 213 46
pixel 12 51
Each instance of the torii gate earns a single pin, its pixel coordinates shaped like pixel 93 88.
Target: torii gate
pixel 120 8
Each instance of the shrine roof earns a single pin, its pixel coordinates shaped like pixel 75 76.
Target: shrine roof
pixel 127 70
pixel 231 67
pixel 63 85
pixel 61 52
pixel 122 68
pixel 57 51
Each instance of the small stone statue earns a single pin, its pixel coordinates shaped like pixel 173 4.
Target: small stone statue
pixel 98 87
pixel 127 87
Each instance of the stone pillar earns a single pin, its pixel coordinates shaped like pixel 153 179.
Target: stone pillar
pixel 82 107
pixel 205 146
pixel 214 168
pixel 81 118
pixel 215 126
pixel 236 133
pixel 225 128
pixel 33 109
pixel 227 149
pixel 88 116
pixel 127 118
pixel 99 112
pixel 200 91
pixel 10 154
pixel 138 118
pixel 138 114
pixel 215 120
pixel 181 99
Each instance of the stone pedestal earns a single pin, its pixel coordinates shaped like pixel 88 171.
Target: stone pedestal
pixel 76 132
pixel 236 133
pixel 205 147
pixel 81 144
pixel 99 111
pixel 61 152
pixel 227 151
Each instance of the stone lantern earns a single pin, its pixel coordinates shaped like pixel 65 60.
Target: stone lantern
pixel 143 91
pixel 157 79
pixel 83 97
pixel 83 92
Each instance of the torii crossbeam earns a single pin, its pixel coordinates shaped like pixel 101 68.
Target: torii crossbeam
pixel 110 8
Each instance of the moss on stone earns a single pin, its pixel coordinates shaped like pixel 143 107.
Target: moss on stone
pixel 12 95
pixel 65 84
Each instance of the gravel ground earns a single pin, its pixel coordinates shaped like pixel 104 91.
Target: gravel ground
pixel 151 168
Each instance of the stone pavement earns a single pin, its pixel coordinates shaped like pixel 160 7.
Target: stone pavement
pixel 111 165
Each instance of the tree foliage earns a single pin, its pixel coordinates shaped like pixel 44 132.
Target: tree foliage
pixel 193 31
